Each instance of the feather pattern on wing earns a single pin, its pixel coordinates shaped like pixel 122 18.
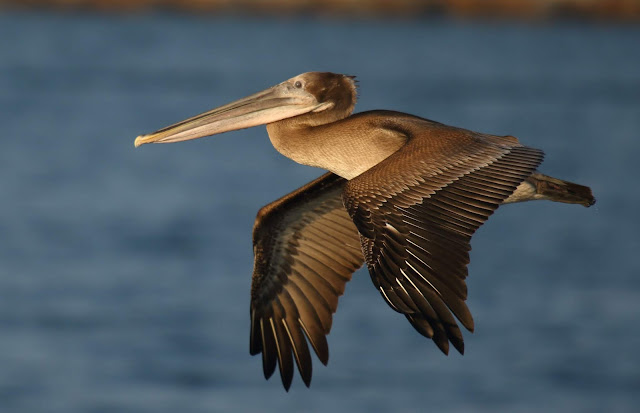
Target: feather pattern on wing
pixel 306 249
pixel 417 210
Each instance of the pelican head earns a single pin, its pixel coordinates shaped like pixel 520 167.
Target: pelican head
pixel 310 94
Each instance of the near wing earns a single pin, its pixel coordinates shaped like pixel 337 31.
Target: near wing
pixel 306 249
pixel 416 212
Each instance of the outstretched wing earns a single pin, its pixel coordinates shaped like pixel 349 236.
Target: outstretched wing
pixel 417 210
pixel 306 249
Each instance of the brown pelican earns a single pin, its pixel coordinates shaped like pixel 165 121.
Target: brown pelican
pixel 404 194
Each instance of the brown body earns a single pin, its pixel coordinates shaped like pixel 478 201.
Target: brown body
pixel 404 195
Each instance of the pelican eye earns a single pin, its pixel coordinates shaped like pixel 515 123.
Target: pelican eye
pixel 298 84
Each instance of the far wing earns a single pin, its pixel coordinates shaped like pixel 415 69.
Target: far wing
pixel 306 249
pixel 417 211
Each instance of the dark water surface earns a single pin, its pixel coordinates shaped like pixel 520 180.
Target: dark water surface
pixel 125 274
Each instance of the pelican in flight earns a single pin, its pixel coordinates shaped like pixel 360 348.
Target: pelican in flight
pixel 403 194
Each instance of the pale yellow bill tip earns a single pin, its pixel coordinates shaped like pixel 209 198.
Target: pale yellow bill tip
pixel 139 140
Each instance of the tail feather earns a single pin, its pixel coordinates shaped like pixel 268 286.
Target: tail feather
pixel 558 190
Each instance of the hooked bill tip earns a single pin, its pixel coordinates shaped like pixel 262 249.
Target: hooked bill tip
pixel 139 140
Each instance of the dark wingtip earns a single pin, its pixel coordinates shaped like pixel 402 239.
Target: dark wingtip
pixel 268 367
pixel 286 384
pixel 267 373
pixel 323 355
pixel 467 320
pixel 307 381
pixel 443 344
pixel 458 345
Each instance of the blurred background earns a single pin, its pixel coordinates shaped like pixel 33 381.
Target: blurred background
pixel 125 273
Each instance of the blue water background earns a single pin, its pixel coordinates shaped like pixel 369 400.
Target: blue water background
pixel 125 273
